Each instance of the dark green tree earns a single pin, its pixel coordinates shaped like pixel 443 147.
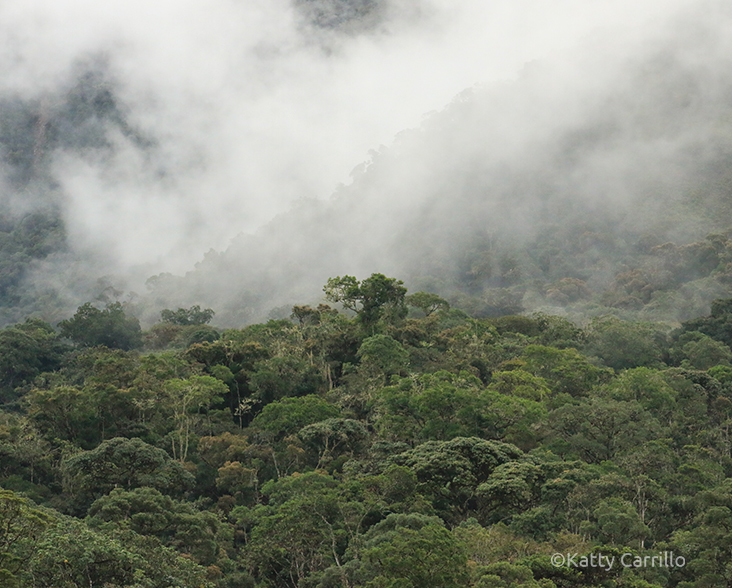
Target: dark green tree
pixel 373 299
pixel 20 529
pixel 27 349
pixel 412 551
pixel 123 463
pixel 717 325
pixel 110 327
pixel 427 302
pixel 148 512
pixel 187 316
pixel 449 472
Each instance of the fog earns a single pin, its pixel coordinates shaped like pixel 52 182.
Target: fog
pixel 233 112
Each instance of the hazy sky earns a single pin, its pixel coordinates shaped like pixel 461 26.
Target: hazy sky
pixel 252 108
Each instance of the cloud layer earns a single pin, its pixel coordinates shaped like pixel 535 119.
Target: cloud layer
pixel 251 105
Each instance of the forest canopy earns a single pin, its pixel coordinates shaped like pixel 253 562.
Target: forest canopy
pixel 390 440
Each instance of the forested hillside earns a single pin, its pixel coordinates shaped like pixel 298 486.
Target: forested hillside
pixel 394 442
pixel 600 186
pixel 79 118
pixel 546 193
pixel 502 349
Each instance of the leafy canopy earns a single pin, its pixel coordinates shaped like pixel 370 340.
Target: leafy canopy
pixel 110 327
pixel 375 298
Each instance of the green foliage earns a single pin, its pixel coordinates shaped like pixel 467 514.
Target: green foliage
pixel 63 412
pixel 125 463
pixel 426 302
pixel 333 437
pixel 598 430
pixel 565 370
pixel 695 350
pixel 283 377
pixel 623 345
pixel 707 545
pixel 26 350
pixel 348 446
pixel 717 325
pixel 649 388
pixel 70 554
pixel 506 575
pixel 24 239
pixel 169 335
pixel 147 512
pixel 616 521
pixel 411 551
pixel 382 354
pixel 186 399
pixel 444 405
pixel 110 327
pixel 520 383
pixel 373 299
pixel 20 531
pixel 288 416
pixel 187 316
pixel 299 534
pixel 449 472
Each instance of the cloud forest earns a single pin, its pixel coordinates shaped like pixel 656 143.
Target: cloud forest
pixel 366 294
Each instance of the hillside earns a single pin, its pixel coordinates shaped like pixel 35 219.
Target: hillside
pixel 539 194
pixel 405 444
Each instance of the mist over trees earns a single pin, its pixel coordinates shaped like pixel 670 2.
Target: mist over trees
pixel 598 186
pixel 524 196
pixel 508 336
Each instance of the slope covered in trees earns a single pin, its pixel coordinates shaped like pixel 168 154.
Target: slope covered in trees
pixel 589 187
pixel 599 187
pixel 395 442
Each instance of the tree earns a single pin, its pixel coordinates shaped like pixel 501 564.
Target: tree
pixel 22 525
pixel 334 436
pixel 125 463
pixel 148 512
pixel 286 417
pixel 565 370
pixel 511 487
pixel 717 325
pixel 383 355
pixel 598 429
pixel 187 316
pixel 444 405
pixel 283 376
pixel 27 349
pixel 110 327
pixel 300 532
pixel 70 554
pixel 695 350
pixel 64 412
pixel 412 551
pixel 185 399
pixel 625 345
pixel 707 546
pixel 449 472
pixel 375 298
pixel 616 521
pixel 426 302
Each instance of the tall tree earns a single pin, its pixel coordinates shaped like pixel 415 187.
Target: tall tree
pixel 375 298
pixel 110 327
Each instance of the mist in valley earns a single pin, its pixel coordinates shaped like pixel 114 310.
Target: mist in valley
pixel 237 156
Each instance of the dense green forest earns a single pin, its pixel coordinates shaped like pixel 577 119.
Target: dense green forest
pixel 547 379
pixel 385 439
